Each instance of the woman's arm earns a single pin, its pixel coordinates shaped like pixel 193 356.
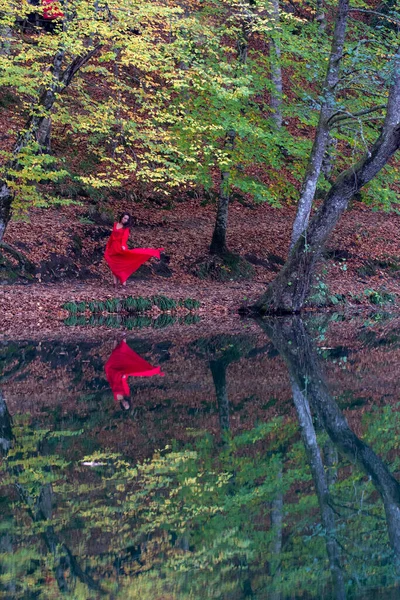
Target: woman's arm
pixel 125 238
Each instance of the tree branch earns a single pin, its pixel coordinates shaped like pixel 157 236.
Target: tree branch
pixel 345 115
pixel 79 62
pixel 375 12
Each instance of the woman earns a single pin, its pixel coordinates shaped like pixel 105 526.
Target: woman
pixel 124 363
pixel 124 262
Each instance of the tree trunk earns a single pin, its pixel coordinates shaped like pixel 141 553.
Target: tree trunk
pixel 6 40
pixel 320 16
pixel 295 346
pixel 218 242
pixel 43 135
pixel 38 125
pixel 321 139
pixel 289 290
pixel 6 199
pixel 276 71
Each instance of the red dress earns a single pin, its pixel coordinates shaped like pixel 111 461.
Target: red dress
pixel 52 10
pixel 124 262
pixel 124 363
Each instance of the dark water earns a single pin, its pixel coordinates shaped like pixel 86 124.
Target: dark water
pixel 262 465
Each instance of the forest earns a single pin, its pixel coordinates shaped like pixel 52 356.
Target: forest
pixel 199 281
pixel 213 124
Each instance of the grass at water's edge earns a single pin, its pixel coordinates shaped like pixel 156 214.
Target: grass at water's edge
pixel 131 305
pixel 130 322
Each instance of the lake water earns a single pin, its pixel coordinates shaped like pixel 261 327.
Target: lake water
pixel 255 465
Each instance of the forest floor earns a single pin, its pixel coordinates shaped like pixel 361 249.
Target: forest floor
pixel 361 264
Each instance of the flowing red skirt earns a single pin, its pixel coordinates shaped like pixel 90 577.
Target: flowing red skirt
pixel 124 262
pixel 124 363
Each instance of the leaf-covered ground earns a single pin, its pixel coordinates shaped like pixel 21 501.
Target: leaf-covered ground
pixel 67 246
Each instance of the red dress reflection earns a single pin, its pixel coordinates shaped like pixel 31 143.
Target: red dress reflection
pixel 124 363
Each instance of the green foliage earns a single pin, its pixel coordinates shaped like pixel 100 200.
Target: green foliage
pixel 137 304
pixel 377 297
pixel 164 303
pixel 131 304
pixel 228 267
pixel 322 296
pixel 189 303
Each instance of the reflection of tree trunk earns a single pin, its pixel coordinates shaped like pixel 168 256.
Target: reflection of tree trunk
pixel 277 528
pixel 218 370
pixel 42 511
pixel 331 461
pixel 6 434
pixel 321 487
pixel 294 343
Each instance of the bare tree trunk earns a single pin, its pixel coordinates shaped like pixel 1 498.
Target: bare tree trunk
pixel 43 135
pixel 289 290
pixel 218 242
pixel 295 346
pixel 320 16
pixel 5 40
pixel 6 200
pixel 321 139
pixel 276 71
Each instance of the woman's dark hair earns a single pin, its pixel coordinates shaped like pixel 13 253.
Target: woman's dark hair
pixel 125 214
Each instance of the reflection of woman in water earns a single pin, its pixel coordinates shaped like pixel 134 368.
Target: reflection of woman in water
pixel 124 363
pixel 124 262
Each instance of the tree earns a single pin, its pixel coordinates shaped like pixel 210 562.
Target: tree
pixel 288 292
pixel 321 139
pixel 41 67
pixel 294 343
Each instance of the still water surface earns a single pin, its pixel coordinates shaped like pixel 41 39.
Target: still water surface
pixel 261 465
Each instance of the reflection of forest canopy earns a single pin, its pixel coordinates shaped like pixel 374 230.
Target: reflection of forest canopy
pixel 192 516
pixel 198 515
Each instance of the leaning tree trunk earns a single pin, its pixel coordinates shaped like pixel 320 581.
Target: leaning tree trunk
pixel 295 346
pixel 321 140
pixel 289 290
pixel 38 126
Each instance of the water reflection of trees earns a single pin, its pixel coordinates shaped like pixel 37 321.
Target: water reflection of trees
pixel 200 518
pixel 310 390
